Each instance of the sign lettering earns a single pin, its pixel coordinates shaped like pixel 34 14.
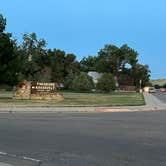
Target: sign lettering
pixel 38 87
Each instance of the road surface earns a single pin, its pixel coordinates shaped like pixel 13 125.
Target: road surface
pixel 85 139
pixel 161 96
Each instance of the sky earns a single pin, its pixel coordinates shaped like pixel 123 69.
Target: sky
pixel 83 27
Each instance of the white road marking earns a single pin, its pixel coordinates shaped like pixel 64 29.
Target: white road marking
pixel 2 153
pixel 32 159
pixel 20 157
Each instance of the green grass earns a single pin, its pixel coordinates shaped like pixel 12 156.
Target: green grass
pixel 77 99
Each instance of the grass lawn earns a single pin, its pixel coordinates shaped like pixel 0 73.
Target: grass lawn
pixel 77 99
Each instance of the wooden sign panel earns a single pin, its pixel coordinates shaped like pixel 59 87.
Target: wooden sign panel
pixel 38 87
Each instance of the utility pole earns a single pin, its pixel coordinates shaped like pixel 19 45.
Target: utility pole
pixel 140 86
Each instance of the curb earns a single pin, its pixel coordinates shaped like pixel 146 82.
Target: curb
pixel 79 109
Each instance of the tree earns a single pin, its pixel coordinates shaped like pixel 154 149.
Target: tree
pixel 106 83
pixel 88 64
pixel 112 59
pixel 119 61
pixel 164 86
pixel 141 75
pixel 8 58
pixel 62 65
pixel 157 86
pixel 57 65
pixel 127 56
pixel 2 23
pixel 71 64
pixel 33 50
pixel 82 82
pixel 68 81
pixel 108 59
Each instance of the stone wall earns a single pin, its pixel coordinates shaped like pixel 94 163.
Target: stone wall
pixel 23 92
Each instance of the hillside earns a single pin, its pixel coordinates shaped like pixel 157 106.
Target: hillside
pixel 159 81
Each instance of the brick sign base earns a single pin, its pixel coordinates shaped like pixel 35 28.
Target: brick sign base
pixel 38 91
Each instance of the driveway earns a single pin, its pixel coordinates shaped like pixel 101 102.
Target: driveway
pixel 161 96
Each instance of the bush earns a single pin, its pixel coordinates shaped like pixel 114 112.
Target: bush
pixel 164 86
pixel 106 83
pixel 82 82
pixel 157 86
pixel 68 81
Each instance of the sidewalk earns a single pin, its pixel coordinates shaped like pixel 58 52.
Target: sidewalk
pixel 152 101
pixel 152 104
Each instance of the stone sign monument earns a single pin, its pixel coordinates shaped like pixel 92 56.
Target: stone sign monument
pixel 37 90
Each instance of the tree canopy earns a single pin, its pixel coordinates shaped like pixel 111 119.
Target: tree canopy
pixel 115 60
pixel 32 60
pixel 2 23
pixel 8 58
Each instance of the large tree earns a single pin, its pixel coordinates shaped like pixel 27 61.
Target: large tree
pixel 108 59
pixel 62 65
pixel 119 61
pixel 2 23
pixel 114 59
pixel 33 53
pixel 141 75
pixel 88 63
pixel 8 58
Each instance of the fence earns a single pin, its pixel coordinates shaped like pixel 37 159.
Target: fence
pixel 127 88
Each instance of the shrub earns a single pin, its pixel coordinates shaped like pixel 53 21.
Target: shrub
pixel 164 86
pixel 106 83
pixel 157 86
pixel 82 82
pixel 68 81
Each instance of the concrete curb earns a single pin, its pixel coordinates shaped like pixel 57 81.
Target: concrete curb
pixel 79 109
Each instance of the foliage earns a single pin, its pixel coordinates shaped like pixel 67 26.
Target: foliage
pixel 157 86
pixel 82 82
pixel 112 59
pixel 62 64
pixel 106 83
pixel 32 61
pixel 8 58
pixel 141 73
pixel 2 23
pixel 33 50
pixel 88 64
pixel 108 59
pixel 164 86
pixel 68 81
pixel 118 61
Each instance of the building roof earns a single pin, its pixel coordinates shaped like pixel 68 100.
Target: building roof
pixel 95 75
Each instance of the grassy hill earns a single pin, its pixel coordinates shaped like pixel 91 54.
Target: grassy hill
pixel 159 81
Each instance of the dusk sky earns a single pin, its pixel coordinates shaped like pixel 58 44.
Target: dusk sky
pixel 83 27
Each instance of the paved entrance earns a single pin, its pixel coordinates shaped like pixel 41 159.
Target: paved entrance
pixel 153 101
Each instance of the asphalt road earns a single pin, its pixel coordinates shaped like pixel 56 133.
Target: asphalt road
pixel 85 139
pixel 161 96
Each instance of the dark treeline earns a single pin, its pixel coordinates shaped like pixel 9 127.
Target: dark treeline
pixel 32 61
